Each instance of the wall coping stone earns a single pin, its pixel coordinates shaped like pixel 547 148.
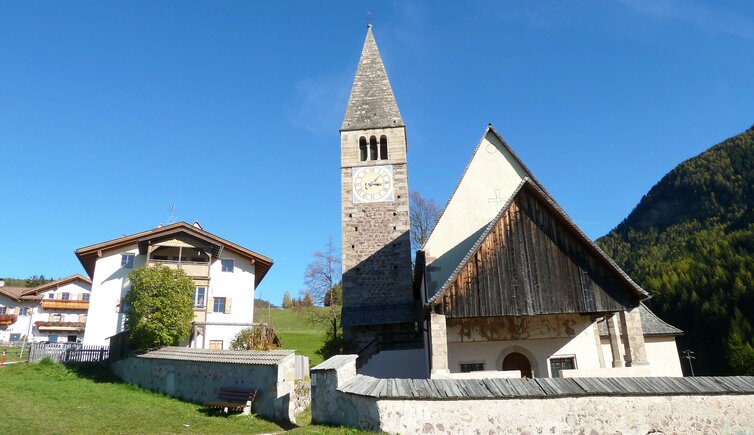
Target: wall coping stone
pixel 272 357
pixel 537 388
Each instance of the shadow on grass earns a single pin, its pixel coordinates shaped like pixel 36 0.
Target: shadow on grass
pixel 97 372
pixel 220 413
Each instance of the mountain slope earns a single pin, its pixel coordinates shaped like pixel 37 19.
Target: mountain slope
pixel 690 243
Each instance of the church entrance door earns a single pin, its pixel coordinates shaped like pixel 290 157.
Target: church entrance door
pixel 517 361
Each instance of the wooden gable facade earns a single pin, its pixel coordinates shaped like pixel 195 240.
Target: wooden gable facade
pixel 533 260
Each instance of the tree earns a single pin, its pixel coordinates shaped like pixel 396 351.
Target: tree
pixel 322 280
pixel 423 214
pixel 161 307
pixel 287 301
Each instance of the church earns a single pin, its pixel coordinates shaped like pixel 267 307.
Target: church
pixel 507 284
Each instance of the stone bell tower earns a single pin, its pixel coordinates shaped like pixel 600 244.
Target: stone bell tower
pixel 377 281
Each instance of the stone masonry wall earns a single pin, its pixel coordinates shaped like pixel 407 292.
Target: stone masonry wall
pixel 341 397
pixel 199 382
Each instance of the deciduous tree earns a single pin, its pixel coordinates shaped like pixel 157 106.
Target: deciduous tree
pixel 160 307
pixel 423 213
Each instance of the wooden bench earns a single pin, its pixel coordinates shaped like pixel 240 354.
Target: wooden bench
pixel 233 398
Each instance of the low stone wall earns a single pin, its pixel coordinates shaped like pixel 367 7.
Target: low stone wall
pixel 545 405
pixel 195 375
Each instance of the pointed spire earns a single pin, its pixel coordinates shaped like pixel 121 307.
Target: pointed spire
pixel 372 103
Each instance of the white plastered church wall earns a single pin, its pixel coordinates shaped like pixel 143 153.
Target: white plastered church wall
pixel 490 179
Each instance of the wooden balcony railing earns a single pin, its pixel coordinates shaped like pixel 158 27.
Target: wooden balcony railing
pixel 60 304
pixel 192 268
pixel 60 326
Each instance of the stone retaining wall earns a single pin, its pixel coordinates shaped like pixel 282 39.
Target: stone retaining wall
pixel 198 381
pixel 627 405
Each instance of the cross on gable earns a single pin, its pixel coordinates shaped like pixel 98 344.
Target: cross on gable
pixel 497 200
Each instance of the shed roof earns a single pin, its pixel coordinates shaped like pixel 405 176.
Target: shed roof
pixel 650 324
pixel 272 357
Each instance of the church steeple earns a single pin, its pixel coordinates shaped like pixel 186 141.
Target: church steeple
pixel 372 103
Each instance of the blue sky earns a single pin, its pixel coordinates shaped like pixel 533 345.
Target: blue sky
pixel 112 111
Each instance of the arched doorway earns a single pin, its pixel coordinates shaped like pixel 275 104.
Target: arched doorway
pixel 517 361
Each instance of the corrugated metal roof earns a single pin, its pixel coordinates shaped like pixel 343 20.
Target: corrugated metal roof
pixel 272 357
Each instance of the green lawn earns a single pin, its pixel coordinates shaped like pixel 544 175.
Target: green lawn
pixel 12 353
pixel 51 398
pixel 295 332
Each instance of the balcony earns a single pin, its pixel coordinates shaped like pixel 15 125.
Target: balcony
pixel 196 269
pixel 62 305
pixel 60 326
pixel 7 319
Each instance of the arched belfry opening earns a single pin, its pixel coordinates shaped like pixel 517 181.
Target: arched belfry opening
pixel 363 149
pixel 372 148
pixel 383 147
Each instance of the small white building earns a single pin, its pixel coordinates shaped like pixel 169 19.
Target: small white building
pixel 225 277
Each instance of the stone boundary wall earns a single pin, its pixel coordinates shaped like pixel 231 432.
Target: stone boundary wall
pixel 545 405
pixel 198 381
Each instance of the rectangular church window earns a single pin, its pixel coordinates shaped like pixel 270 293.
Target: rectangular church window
pixel 471 367
pixel 559 364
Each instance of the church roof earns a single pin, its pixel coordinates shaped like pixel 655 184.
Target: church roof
pixel 372 103
pixel 650 324
pixel 544 196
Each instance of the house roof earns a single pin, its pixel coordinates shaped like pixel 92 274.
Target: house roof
pixel 14 293
pixel 88 255
pixel 650 324
pixel 565 219
pixel 372 102
pixel 272 357
pixel 54 284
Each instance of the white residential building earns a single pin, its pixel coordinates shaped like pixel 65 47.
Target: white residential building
pixel 54 311
pixel 225 276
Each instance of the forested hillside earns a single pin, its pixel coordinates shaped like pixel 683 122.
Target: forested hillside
pixel 690 243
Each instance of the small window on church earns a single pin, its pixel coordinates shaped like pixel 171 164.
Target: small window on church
pixel 471 367
pixel 557 365
pixel 383 147
pixel 363 148
pixel 372 148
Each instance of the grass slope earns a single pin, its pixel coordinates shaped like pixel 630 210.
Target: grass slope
pixel 295 332
pixel 51 398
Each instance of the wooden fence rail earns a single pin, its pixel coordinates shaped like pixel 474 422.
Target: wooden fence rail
pixel 68 353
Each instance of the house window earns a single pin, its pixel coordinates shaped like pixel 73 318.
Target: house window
pixel 472 367
pixel 65 296
pixel 562 363
pixel 56 317
pixel 199 294
pixel 3 310
pixel 127 261
pixel 25 311
pixel 52 338
pixel 15 337
pixel 50 295
pixel 219 306
pixel 85 297
pixel 72 338
pixel 227 265
pixel 215 345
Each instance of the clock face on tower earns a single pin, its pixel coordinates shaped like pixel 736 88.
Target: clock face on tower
pixel 372 184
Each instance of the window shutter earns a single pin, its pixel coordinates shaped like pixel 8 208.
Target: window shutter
pixel 49 317
pixel 211 305
pixel 227 305
pixel 16 311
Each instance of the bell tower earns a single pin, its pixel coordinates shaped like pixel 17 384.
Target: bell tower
pixel 377 278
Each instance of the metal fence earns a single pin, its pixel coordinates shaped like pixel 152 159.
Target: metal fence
pixel 68 353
